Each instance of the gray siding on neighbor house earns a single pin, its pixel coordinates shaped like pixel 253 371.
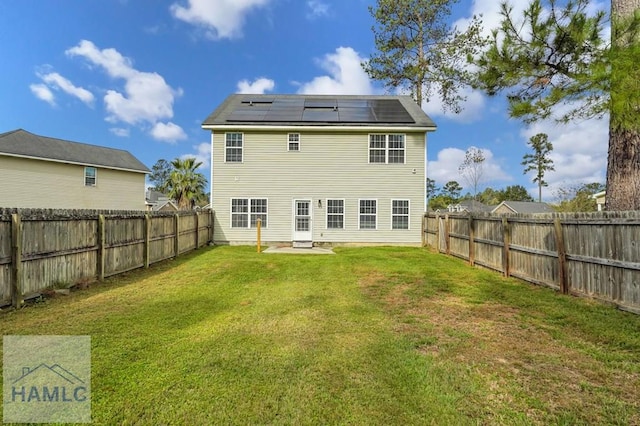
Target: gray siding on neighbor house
pixel 330 165
pixel 31 183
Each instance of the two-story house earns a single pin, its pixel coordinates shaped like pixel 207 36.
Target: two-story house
pixel 44 172
pixel 318 169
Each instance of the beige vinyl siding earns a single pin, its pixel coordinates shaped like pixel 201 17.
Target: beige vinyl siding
pixel 29 183
pixel 328 166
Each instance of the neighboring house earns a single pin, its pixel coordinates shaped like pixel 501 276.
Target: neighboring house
pixel 318 169
pixel 600 198
pixel 43 172
pixel 469 206
pixel 157 201
pixel 526 207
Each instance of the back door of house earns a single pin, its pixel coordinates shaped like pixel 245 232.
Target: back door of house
pixel 302 218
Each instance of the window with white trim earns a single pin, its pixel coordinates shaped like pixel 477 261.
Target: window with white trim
pixel 245 212
pixel 387 149
pixel 90 174
pixel 399 214
pixel 368 214
pixel 335 214
pixel 294 142
pixel 233 147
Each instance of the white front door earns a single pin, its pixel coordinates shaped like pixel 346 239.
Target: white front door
pixel 302 217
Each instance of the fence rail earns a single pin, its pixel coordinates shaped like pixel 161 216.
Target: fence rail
pixel 41 249
pixel 585 254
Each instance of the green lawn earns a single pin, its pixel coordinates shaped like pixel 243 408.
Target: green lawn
pixel 368 336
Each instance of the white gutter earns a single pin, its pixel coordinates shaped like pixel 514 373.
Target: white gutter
pixel 406 129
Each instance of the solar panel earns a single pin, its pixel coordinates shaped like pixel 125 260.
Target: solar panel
pixel 319 110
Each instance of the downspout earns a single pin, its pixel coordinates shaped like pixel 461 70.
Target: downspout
pixel 424 190
pixel 211 172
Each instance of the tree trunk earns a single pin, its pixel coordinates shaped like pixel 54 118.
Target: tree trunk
pixel 623 165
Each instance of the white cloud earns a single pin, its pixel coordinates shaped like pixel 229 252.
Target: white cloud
pixel 472 107
pixel 203 154
pixel 258 86
pixel 445 168
pixel 119 131
pixel 42 92
pixel 147 98
pixel 219 18
pixel 56 81
pixel 167 132
pixel 579 150
pixel 317 9
pixel 346 76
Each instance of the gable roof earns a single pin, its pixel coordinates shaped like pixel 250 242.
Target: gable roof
pixel 20 143
pixel 320 111
pixel 474 206
pixel 526 207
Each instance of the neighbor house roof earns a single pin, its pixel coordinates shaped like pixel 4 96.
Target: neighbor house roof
pixel 319 111
pixel 525 207
pixel 20 143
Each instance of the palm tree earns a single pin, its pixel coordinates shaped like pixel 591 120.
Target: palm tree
pixel 186 185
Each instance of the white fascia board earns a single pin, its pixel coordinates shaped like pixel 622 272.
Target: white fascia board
pixel 75 163
pixel 406 129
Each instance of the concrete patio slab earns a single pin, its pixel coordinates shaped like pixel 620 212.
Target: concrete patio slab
pixel 291 250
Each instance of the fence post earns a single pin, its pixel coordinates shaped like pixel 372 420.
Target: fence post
pixel 197 230
pixel 16 261
pixel 424 229
pixel 562 257
pixel 472 248
pixel 101 247
pixel 437 240
pixel 147 239
pixel 506 233
pixel 447 230
pixel 258 229
pixel 176 241
pixel 211 219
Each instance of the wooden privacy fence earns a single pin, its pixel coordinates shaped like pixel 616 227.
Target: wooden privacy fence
pixel 585 254
pixel 42 249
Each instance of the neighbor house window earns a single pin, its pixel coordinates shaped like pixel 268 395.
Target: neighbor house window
pixel 399 214
pixel 245 212
pixel 335 214
pixel 90 176
pixel 386 149
pixel 368 214
pixel 294 142
pixel 233 147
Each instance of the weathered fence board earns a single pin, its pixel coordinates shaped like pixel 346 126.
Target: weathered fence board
pixel 42 249
pixel 585 254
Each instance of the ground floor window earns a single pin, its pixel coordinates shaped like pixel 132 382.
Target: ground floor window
pixel 335 214
pixel 245 212
pixel 399 214
pixel 368 214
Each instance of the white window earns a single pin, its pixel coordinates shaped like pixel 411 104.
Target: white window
pixel 245 212
pixel 368 214
pixel 90 174
pixel 386 149
pixel 294 142
pixel 399 214
pixel 335 214
pixel 233 147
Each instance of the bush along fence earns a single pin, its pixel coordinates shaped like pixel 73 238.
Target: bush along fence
pixel 45 249
pixel 584 254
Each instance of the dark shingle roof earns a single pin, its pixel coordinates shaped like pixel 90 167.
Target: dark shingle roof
pixel 527 207
pixel 319 110
pixel 21 143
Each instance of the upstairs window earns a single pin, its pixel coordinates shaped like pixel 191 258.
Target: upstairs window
pixel 233 147
pixel 386 149
pixel 294 142
pixel 90 176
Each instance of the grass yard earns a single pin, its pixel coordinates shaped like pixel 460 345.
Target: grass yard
pixel 369 336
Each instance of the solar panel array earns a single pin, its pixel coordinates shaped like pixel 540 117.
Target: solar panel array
pixel 320 110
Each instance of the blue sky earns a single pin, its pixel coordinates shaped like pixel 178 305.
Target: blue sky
pixel 142 75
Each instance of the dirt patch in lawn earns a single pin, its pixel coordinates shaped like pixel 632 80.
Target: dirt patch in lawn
pixel 523 364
